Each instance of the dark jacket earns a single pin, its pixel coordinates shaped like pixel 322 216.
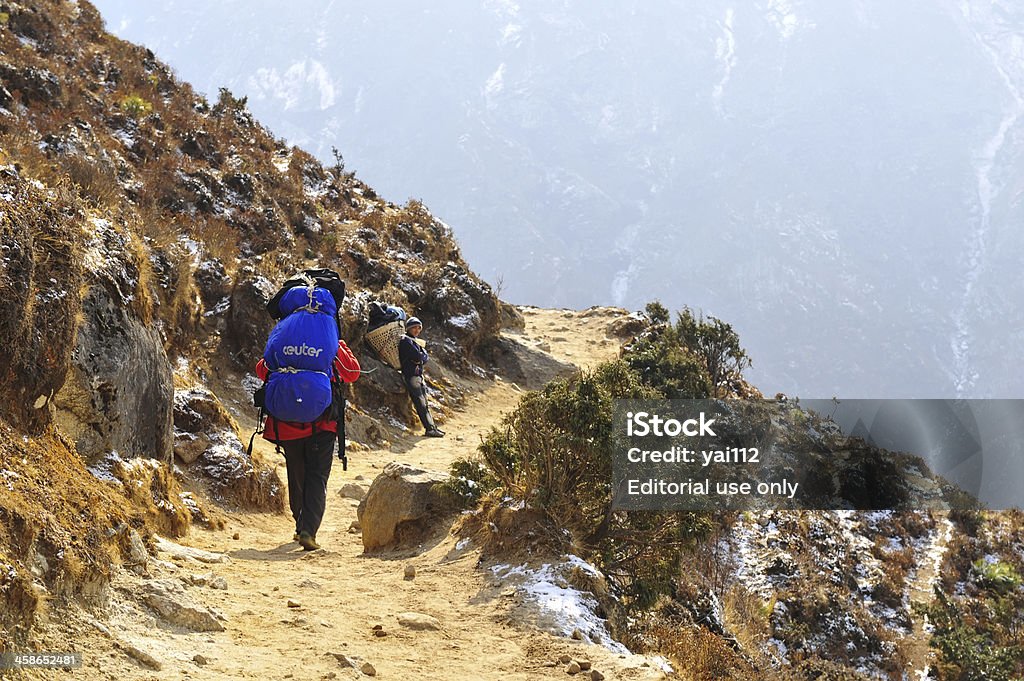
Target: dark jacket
pixel 412 356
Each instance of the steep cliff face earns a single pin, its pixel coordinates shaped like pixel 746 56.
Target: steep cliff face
pixel 143 230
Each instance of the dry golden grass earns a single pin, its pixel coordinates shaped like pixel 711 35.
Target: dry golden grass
pixel 51 506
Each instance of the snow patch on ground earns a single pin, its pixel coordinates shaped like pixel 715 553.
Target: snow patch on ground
pixel 282 163
pixel 8 477
pixel 250 383
pixel 94 259
pixel 560 608
pixel 469 321
pixel 103 469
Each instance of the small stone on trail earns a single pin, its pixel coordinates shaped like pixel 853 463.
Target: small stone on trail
pixel 418 621
pixel 380 633
pixel 368 669
pixel 572 668
pixel 596 675
pixel 330 675
pixel 576 635
pixel 236 536
pixel 351 490
pixel 410 572
pixel 584 664
pixel 294 604
pixel 200 660
pixel 343 659
pixel 141 656
pixel 565 659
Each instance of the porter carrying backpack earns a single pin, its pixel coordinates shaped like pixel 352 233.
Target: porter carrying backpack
pixel 300 354
pixel 302 385
pixel 385 327
pixel 301 347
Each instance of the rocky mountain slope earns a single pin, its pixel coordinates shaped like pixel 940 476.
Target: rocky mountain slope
pixel 143 230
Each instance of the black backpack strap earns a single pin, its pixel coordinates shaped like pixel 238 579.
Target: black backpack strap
pixel 258 397
pixel 260 422
pixel 342 454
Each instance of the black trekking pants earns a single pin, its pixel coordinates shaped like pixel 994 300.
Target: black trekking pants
pixel 418 394
pixel 309 466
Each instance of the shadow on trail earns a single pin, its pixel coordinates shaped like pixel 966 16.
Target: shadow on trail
pixel 287 551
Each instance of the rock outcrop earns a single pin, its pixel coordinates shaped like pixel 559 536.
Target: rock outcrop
pixel 119 396
pixel 169 600
pixel 400 506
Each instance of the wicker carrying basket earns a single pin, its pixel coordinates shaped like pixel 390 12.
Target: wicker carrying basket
pixel 384 341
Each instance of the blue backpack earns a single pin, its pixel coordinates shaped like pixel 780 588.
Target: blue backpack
pixel 300 354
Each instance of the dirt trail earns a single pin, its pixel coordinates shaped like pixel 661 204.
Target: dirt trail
pixel 342 594
pixel 920 654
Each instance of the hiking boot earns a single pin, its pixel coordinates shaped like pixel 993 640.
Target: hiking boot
pixel 308 542
pixel 434 432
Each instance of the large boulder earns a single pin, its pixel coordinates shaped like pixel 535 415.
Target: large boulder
pixel 206 440
pixel 119 395
pixel 400 505
pixel 248 323
pixel 199 418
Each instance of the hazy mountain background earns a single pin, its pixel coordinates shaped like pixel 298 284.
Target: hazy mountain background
pixel 840 179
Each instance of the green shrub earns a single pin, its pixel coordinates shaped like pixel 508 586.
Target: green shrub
pixel 469 481
pixel 694 358
pixel 995 576
pixel 968 650
pixel 135 106
pixel 656 312
pixel 665 364
pixel 554 452
pixel 717 345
